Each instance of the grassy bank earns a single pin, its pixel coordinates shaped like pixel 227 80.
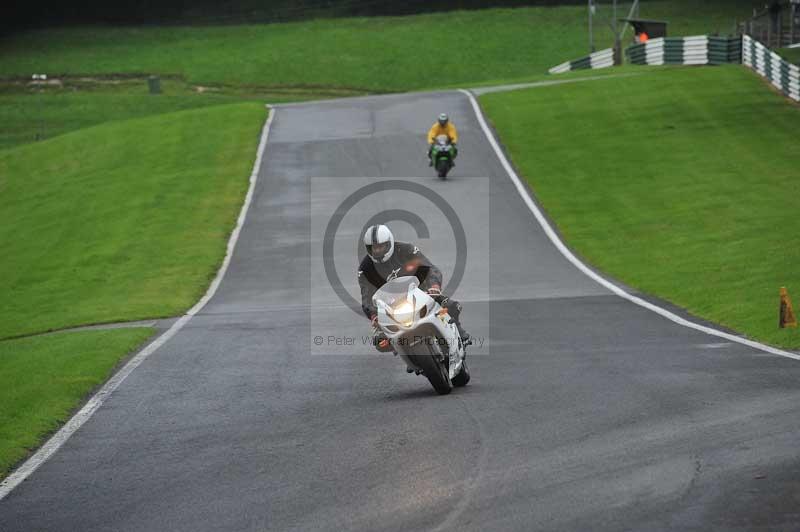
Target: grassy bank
pixel 28 113
pixel 43 379
pixel 680 182
pixel 791 54
pixel 376 54
pixel 121 221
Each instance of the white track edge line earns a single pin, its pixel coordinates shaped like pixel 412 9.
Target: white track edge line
pixel 59 438
pixel 554 238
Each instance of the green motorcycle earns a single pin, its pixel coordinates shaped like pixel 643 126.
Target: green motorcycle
pixel 443 153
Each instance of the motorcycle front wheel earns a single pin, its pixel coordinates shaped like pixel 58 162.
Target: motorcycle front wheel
pixel 442 167
pixel 434 370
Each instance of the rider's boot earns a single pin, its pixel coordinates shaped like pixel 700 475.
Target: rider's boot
pixel 381 343
pixel 466 337
pixel 454 309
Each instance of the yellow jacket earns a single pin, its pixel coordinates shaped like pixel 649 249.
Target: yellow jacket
pixel 449 130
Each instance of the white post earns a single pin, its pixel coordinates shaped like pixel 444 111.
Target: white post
pixel 40 132
pixel 617 42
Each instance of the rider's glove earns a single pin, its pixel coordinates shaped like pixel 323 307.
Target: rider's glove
pixel 437 295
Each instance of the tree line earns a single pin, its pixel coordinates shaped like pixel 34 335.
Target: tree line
pixel 49 13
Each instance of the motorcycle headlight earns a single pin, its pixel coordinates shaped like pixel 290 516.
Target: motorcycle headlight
pixel 404 313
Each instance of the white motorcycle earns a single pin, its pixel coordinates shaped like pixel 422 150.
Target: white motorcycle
pixel 422 333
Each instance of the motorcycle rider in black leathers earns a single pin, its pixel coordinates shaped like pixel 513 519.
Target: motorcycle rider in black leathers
pixel 387 259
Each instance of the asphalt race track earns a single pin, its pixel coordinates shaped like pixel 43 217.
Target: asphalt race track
pixel 585 412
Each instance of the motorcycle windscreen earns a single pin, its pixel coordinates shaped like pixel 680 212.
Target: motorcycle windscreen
pixel 396 291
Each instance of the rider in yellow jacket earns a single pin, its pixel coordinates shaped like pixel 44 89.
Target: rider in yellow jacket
pixel 442 126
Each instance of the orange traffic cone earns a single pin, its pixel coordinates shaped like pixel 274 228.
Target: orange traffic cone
pixel 787 318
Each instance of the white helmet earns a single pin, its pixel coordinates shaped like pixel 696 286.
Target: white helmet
pixel 379 242
pixel 443 119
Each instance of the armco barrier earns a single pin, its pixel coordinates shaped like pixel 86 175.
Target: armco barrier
pixel 601 59
pixel 696 50
pixel 782 74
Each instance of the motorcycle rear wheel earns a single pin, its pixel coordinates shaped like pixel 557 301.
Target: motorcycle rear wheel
pixel 463 376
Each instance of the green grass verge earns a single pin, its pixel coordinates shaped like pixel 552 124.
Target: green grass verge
pixel 43 380
pixel 682 182
pixel 26 114
pixel 122 221
pixel 790 54
pixel 555 78
pixel 376 54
